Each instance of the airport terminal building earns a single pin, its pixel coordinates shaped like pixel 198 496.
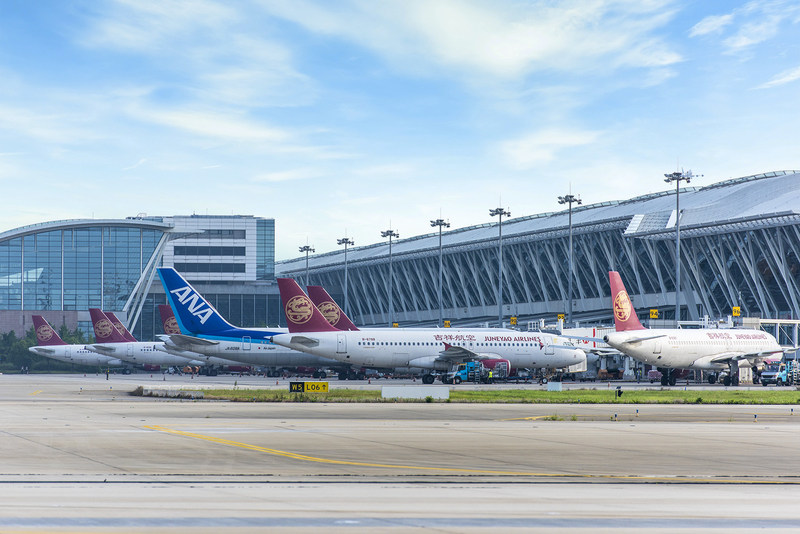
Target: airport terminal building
pixel 740 246
pixel 60 269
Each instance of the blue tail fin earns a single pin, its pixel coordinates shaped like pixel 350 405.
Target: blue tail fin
pixel 194 314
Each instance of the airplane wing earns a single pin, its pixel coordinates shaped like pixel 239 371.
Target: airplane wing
pixel 456 354
pixel 582 338
pixel 736 356
pixel 305 341
pixel 43 350
pixel 101 349
pixel 182 340
pixel 643 338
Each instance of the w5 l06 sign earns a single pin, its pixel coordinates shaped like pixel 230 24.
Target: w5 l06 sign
pixel 308 387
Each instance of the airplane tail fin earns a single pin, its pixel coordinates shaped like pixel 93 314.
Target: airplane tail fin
pixel 624 315
pixel 121 328
pixel 332 312
pixel 301 314
pixel 104 330
pixel 195 315
pixel 168 321
pixel 46 334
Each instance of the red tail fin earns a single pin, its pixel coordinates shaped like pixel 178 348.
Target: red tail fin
pixel 624 315
pixel 332 312
pixel 45 334
pixel 120 327
pixel 301 314
pixel 168 320
pixel 104 331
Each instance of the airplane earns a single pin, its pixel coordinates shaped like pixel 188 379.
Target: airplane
pixel 109 342
pixel 203 330
pixel 674 348
pixel 52 346
pixel 429 348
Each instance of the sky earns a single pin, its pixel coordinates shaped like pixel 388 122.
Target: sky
pixel 349 117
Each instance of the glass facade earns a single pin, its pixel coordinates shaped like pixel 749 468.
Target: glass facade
pixel 265 249
pixel 74 268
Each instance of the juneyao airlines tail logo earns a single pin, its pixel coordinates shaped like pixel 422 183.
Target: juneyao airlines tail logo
pixel 622 306
pixel 330 311
pixel 44 332
pixel 119 327
pixel 171 326
pixel 103 328
pixel 298 309
pixel 192 301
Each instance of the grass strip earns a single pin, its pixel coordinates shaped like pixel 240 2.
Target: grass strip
pixel 524 396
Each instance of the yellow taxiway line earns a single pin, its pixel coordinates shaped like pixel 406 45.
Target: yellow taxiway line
pixel 307 458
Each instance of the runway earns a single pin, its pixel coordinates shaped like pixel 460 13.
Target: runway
pixel 81 454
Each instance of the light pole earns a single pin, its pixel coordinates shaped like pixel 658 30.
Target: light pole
pixel 345 241
pixel 306 249
pixel 569 199
pixel 441 224
pixel 499 212
pixel 390 234
pixel 677 177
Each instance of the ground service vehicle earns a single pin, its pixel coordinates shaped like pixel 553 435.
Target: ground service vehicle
pixel 780 373
pixel 484 372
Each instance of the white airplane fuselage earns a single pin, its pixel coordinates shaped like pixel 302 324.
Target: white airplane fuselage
pixel 140 353
pixel 76 354
pixel 255 352
pixel 693 349
pixel 412 347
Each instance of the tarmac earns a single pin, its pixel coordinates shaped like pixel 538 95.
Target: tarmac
pixel 79 454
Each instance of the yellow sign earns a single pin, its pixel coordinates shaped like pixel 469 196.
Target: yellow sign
pixel 513 321
pixel 653 314
pixel 395 325
pixel 561 316
pixel 447 324
pixel 308 387
pixel 737 311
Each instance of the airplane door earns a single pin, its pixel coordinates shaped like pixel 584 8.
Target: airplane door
pixel 130 350
pixel 341 344
pixel 657 346
pixel 246 343
pixel 548 347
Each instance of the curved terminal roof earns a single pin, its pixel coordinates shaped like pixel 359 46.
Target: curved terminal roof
pixel 768 199
pixel 84 223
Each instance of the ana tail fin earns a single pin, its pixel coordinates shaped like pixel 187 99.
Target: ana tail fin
pixel 168 321
pixel 194 314
pixel 301 314
pixel 328 307
pixel 46 334
pixel 104 330
pixel 121 328
pixel 624 315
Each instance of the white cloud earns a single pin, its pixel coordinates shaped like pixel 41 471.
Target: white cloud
pixel 214 125
pixel 507 40
pixel 542 147
pixel 289 175
pixel 786 76
pixel 712 24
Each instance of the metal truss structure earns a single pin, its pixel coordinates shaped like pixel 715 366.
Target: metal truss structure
pixel 740 246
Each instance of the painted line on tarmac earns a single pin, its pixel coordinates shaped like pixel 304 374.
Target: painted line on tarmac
pixel 316 459
pixel 36 392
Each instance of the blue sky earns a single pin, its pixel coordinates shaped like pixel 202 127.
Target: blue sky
pixel 345 117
